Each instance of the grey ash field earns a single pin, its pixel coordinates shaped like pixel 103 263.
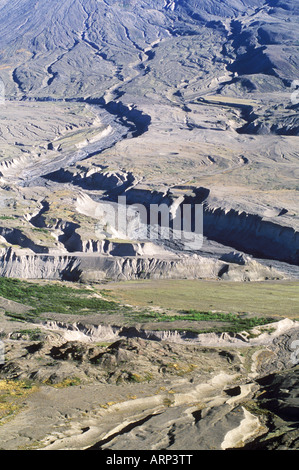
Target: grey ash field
pixel 116 341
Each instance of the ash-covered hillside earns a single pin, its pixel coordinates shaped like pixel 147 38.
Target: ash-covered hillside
pixel 78 49
pixel 163 101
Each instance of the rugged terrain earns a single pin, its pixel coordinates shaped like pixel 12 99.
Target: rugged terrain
pixel 169 103
pixel 74 386
pixel 82 371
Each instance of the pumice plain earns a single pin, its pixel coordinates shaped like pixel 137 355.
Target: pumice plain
pixel 149 246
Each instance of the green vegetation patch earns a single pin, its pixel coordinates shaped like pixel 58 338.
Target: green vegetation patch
pixel 52 298
pixel 232 322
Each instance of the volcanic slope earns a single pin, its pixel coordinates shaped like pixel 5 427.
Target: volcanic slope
pixel 172 102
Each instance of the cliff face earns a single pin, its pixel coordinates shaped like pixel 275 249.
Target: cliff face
pixel 39 266
pixel 70 251
pixel 252 233
pixel 123 266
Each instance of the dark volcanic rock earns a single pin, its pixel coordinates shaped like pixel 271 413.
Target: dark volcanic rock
pixel 278 400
